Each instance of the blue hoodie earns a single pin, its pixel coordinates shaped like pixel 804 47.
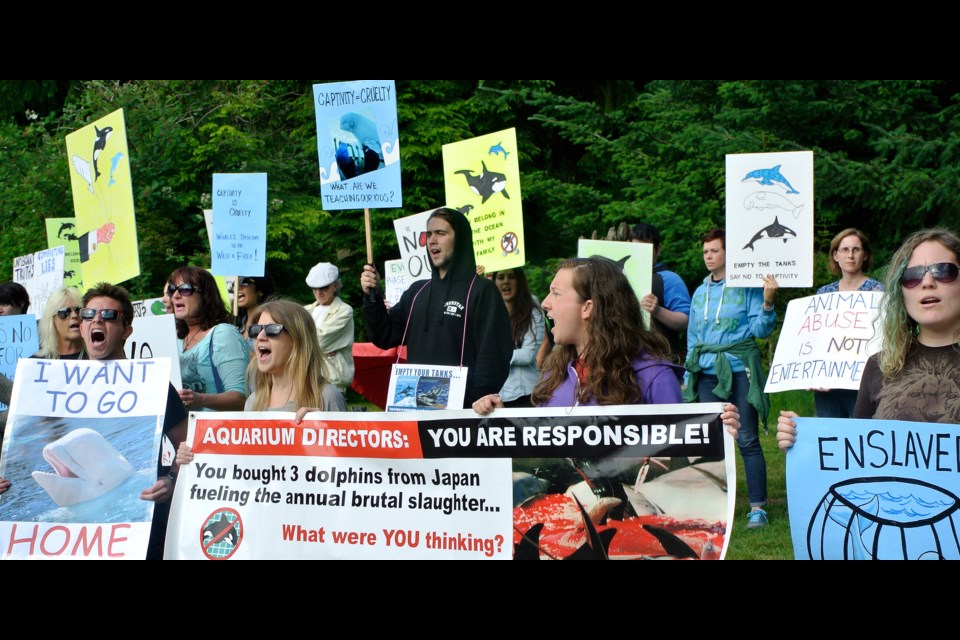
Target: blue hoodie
pixel 738 316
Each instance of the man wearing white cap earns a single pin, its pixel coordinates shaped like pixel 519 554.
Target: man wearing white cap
pixel 334 320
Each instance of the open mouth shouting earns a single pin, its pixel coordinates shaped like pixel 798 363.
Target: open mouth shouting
pixel 97 336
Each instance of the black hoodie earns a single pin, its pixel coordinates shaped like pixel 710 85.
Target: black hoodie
pixel 435 334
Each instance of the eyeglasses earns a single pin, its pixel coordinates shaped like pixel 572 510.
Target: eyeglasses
pixel 107 315
pixel 185 289
pixel 845 251
pixel 64 312
pixel 272 330
pixel 942 272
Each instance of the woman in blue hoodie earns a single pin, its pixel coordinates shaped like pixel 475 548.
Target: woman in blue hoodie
pixel 723 360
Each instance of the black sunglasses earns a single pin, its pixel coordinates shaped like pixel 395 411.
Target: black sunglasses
pixel 64 312
pixel 106 315
pixel 942 272
pixel 244 282
pixel 185 289
pixel 272 330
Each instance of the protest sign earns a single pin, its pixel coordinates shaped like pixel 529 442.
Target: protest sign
pixel 481 178
pixel 18 339
pixel 395 280
pixel 80 446
pixel 420 387
pixel 156 337
pixel 454 485
pixel 41 274
pixel 239 241
pixel 825 341
pixel 62 232
pixel 412 240
pixel 769 206
pixel 103 200
pixel 874 489
pixel 358 144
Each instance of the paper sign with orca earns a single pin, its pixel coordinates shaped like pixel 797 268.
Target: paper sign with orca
pixel 358 144
pixel 482 180
pixel 769 218
pixel 63 232
pixel 105 226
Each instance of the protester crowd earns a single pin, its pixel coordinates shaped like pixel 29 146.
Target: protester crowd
pixel 587 343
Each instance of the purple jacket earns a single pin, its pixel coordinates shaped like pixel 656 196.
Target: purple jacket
pixel 659 383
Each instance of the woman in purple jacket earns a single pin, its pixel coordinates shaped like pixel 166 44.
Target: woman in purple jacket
pixel 605 355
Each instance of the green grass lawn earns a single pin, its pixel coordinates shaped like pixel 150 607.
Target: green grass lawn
pixel 773 541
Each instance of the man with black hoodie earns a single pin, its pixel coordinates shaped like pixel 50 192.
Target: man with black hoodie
pixel 455 318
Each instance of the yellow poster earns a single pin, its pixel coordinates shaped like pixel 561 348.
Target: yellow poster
pixel 482 180
pixel 103 201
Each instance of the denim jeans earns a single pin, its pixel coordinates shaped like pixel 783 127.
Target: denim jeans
pixel 748 438
pixel 836 403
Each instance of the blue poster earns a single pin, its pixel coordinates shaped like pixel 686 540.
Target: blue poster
pixel 238 245
pixel 874 490
pixel 18 339
pixel 359 145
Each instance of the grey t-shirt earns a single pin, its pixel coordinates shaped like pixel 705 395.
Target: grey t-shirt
pixel 332 401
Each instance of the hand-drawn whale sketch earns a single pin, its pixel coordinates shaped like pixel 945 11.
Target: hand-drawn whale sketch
pixel 770 176
pixel 773 231
pixel 487 183
pixel 763 200
pixel 497 149
pixel 86 466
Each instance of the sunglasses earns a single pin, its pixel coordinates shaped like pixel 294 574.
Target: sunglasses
pixel 244 282
pixel 272 330
pixel 186 289
pixel 64 312
pixel 107 315
pixel 942 272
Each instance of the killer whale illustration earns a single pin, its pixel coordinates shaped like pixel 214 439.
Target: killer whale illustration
pixel 773 231
pixel 69 274
pixel 487 183
pixel 213 530
pixel 497 149
pixel 70 236
pixel 66 226
pixel 428 398
pixel 99 144
pixel 770 176
pixel 762 200
pixel 86 465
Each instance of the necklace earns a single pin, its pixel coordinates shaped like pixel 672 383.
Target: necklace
pixel 189 342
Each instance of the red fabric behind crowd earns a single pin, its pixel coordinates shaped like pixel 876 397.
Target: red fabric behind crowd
pixel 372 371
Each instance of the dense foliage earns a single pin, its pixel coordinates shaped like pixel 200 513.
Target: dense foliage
pixel 593 153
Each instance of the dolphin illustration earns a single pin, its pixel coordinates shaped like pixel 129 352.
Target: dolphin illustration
pixel 775 230
pixel 487 183
pixel 770 176
pixel 66 226
pixel 70 236
pixel 114 161
pixel 498 148
pixel 86 465
pixel 69 274
pixel 761 200
pixel 213 530
pixel 83 170
pixel 465 209
pixel 99 144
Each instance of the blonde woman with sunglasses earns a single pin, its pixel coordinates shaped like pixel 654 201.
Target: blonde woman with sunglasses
pixel 916 377
pixel 59 326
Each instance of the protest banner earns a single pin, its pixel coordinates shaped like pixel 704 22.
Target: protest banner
pixel 103 200
pixel 239 241
pixel 874 490
pixel 18 339
pixel 81 444
pixel 412 240
pixel 481 177
pixel 769 213
pixel 825 341
pixel 358 144
pixel 653 481
pixel 62 232
pixel 395 280
pixel 41 274
pixel 156 337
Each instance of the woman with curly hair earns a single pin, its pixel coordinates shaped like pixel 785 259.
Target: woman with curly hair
pixel 213 354
pixel 916 376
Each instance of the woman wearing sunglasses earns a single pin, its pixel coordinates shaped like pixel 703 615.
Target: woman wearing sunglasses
pixel 916 377
pixel 253 290
pixel 59 326
pixel 213 354
pixel 850 256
